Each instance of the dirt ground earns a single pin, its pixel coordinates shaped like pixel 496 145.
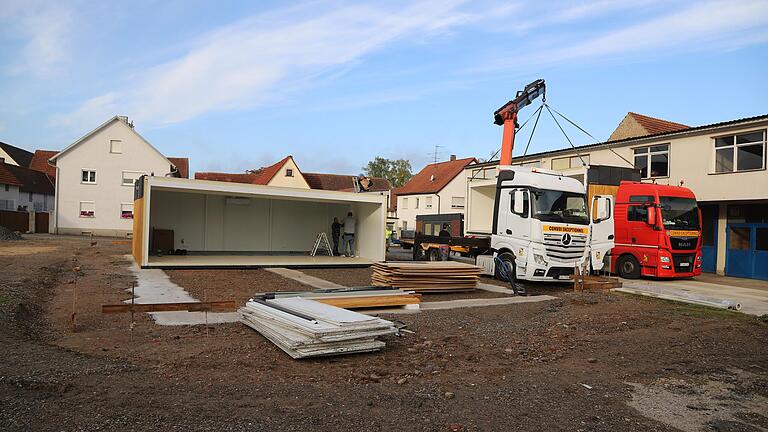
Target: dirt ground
pixel 586 361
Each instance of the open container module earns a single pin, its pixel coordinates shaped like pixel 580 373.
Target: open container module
pixel 235 225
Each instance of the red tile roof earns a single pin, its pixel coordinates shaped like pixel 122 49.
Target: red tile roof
pixel 655 125
pixel 262 176
pixel 434 177
pixel 338 182
pixel 40 162
pixel 26 179
pixel 182 164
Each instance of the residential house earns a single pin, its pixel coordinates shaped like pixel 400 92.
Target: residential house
pixel 15 156
pixel 286 173
pixel 438 188
pixel 95 176
pixel 723 163
pixel 24 189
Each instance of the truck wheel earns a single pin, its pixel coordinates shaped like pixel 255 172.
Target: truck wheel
pixel 510 259
pixel 433 254
pixel 628 267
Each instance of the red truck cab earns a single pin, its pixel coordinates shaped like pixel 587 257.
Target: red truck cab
pixel 657 231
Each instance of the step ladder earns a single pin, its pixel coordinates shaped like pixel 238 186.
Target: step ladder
pixel 322 245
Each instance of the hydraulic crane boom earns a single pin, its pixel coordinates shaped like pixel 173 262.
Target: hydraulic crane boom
pixel 507 116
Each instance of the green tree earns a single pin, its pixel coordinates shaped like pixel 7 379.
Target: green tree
pixel 397 171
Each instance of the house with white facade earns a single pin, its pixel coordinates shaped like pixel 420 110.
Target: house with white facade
pixel 724 164
pixel 95 176
pixel 439 188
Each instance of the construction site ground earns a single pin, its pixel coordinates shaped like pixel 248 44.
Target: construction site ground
pixel 595 361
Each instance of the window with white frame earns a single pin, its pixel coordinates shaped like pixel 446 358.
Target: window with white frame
pixel 126 211
pixel 289 172
pixel 130 177
pixel 568 162
pixel 7 205
pixel 405 225
pixel 115 146
pixel 405 204
pixel 457 202
pixel 428 202
pixel 741 152
pixel 88 176
pixel 652 161
pixel 87 209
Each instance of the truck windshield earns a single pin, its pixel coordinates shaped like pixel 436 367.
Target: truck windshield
pixel 679 213
pixel 558 206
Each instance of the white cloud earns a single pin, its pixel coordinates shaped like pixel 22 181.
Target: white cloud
pixel 262 58
pixel 712 25
pixel 45 30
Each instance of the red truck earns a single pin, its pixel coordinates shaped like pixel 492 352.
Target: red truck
pixel 657 231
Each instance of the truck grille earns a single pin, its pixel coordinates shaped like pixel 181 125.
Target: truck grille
pixel 684 243
pixel 680 260
pixel 570 252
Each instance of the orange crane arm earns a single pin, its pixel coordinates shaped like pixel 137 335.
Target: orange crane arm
pixel 507 116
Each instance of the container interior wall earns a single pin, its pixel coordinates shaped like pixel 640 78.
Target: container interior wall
pixel 216 223
pixel 480 212
pixel 370 241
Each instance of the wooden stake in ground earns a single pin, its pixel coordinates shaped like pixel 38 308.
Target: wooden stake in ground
pixel 73 316
pixel 133 303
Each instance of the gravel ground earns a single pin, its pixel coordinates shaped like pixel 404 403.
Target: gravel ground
pixel 586 361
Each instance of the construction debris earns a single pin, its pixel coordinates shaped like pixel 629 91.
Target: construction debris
pixel 307 328
pixel 427 276
pixel 355 297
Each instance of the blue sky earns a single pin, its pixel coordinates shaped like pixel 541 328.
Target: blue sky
pixel 239 84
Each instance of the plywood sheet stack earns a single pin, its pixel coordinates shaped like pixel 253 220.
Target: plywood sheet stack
pixel 427 276
pixel 307 328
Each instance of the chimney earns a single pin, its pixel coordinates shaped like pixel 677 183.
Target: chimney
pixel 453 158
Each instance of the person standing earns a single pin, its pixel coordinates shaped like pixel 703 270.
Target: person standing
pixel 349 235
pixel 335 233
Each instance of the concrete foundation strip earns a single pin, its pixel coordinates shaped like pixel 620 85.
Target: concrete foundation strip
pixel 682 296
pixel 304 278
pixel 455 304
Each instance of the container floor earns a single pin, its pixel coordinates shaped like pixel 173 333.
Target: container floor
pixel 254 261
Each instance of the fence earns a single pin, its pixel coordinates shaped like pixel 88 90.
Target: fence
pixel 14 220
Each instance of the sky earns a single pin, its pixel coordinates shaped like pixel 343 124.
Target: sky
pixel 237 85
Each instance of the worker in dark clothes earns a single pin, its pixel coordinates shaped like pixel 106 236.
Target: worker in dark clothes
pixel 444 231
pixel 335 233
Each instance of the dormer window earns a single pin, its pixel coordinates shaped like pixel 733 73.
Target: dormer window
pixel 289 172
pixel 432 178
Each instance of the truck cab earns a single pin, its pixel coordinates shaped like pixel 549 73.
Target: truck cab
pixel 657 231
pixel 541 225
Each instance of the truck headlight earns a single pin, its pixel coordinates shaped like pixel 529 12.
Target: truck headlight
pixel 665 259
pixel 539 259
pixel 698 258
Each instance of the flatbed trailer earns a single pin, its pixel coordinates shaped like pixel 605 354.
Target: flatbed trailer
pixel 427 247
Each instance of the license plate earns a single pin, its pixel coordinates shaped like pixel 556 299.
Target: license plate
pixel 684 264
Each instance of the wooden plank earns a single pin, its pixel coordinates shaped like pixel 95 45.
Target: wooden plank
pixel 371 301
pixel 212 306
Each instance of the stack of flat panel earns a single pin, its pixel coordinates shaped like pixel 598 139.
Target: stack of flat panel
pixel 368 297
pixel 307 328
pixel 427 276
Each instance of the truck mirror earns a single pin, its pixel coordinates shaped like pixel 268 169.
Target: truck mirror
pixel 651 215
pixel 518 208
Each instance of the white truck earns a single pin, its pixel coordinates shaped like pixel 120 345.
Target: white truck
pixel 544 227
